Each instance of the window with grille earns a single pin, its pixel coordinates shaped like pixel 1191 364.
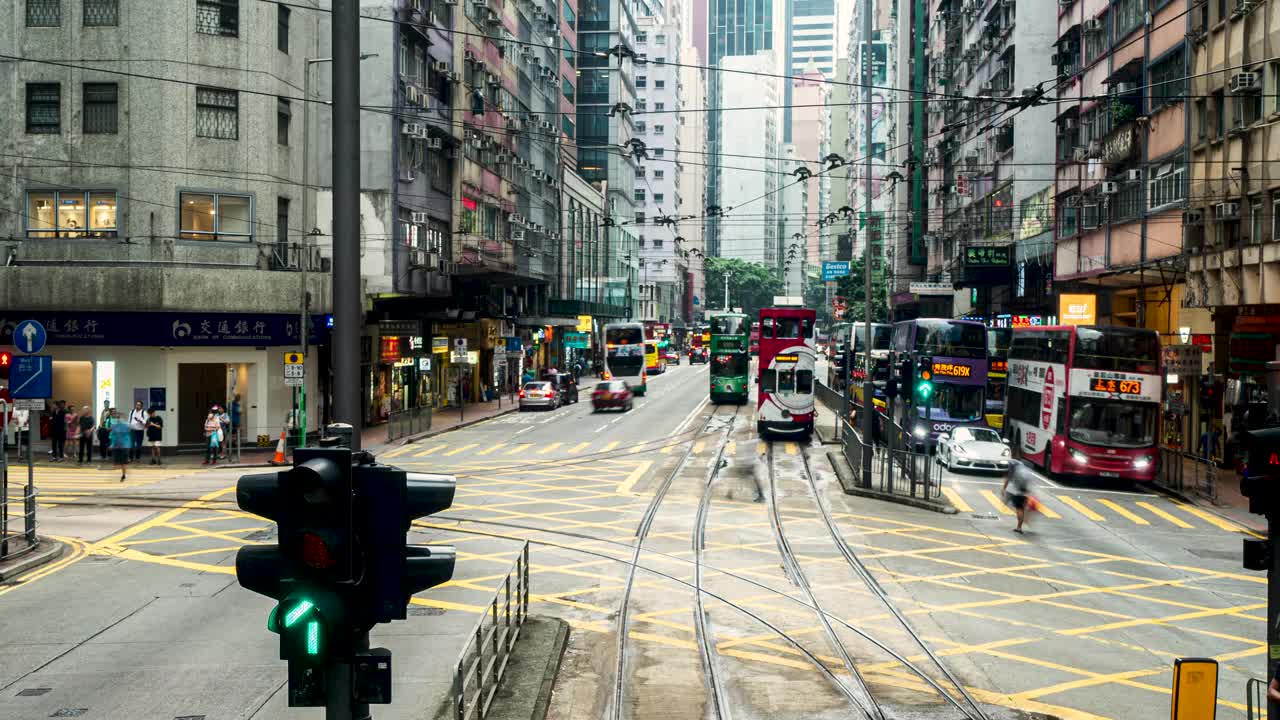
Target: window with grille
pixel 639 195
pixel 1275 216
pixel 101 108
pixel 659 129
pixel 659 174
pixel 44 108
pixel 284 114
pixel 1168 79
pixel 217 113
pixel 1257 221
pixel 1167 184
pixel 282 28
pixel 218 17
pixel 101 13
pixel 642 81
pixel 215 216
pixel 1127 204
pixel 44 13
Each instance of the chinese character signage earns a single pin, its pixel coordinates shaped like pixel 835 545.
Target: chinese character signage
pixel 172 329
pixel 985 256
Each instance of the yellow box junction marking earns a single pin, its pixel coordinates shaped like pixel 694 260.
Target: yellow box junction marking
pixel 956 500
pixel 1080 508
pixel 464 448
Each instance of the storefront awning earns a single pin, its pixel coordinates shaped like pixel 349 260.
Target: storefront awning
pixel 545 321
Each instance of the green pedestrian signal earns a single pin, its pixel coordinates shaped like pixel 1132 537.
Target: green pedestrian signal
pixel 313 637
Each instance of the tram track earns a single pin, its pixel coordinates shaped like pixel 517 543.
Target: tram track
pixel 702 631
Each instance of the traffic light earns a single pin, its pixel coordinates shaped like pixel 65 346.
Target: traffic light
pixel 1262 473
pixel 906 371
pixel 6 360
pixel 924 381
pixel 388 501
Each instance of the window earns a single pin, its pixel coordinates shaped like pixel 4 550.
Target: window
pixel 1128 15
pixel 660 39
pixel 282 28
pixel 1097 42
pixel 283 115
pixel 280 258
pixel 1090 216
pixel 1167 184
pixel 659 174
pixel 1202 119
pixel 71 214
pixel 1275 216
pixel 640 127
pixel 101 108
pixel 657 242
pixel 640 172
pixel 470 218
pixel 1068 219
pixel 642 81
pixel 215 216
pixel 218 17
pixel 660 60
pixel 1247 110
pixel 642 38
pixel 639 218
pixel 1218 113
pixel 640 242
pixel 566 88
pixel 44 108
pixel 659 152
pixel 639 195
pixel 217 113
pixel 44 13
pixel 659 129
pixel 570 18
pixel 659 107
pixel 101 13
pixel 658 197
pixel 659 84
pixel 1256 220
pixel 1168 79
pixel 1127 205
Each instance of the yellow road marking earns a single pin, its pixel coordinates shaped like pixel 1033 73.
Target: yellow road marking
pixel 956 500
pixel 78 552
pixel 1210 517
pixel 486 451
pixel 519 448
pixel 609 447
pixel 398 451
pixel 1080 508
pixel 995 503
pixel 464 448
pixel 428 451
pixel 1120 510
pixel 792 448
pixel 699 446
pixel 1164 515
pixel 762 448
pixel 1047 511
pixel 626 487
pixel 578 448
pixel 731 448
pixel 667 449
pixel 550 448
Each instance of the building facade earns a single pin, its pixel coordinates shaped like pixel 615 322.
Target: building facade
pixel 752 173
pixel 693 177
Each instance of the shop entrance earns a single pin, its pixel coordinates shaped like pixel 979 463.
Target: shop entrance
pixel 200 386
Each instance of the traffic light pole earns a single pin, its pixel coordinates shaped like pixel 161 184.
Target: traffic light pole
pixel 1273 601
pixel 868 386
pixel 340 703
pixel 347 307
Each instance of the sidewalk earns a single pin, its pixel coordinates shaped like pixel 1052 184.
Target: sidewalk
pixel 1228 503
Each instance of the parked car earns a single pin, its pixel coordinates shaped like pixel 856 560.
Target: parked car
pixel 972 448
pixel 698 355
pixel 566 386
pixel 612 394
pixel 672 355
pixel 539 394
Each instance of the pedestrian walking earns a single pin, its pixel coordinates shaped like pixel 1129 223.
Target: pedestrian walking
pixel 1017 491
pixel 212 428
pixel 121 443
pixel 72 428
pixel 104 432
pixel 137 424
pixel 84 436
pixel 58 431
pixel 155 430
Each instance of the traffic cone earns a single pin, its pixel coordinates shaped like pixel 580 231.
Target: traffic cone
pixel 278 458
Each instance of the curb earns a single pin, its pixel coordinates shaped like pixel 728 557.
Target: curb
pixel 432 433
pixel 542 704
pixel 845 474
pixel 1210 508
pixel 46 550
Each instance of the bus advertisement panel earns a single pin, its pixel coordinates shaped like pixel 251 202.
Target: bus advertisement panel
pixel 1085 400
pixel 788 354
pixel 955 354
pixel 624 354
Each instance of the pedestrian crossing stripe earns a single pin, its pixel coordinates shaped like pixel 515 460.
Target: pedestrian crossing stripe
pixel 1164 515
pixel 1081 508
pixel 1122 512
pixel 996 503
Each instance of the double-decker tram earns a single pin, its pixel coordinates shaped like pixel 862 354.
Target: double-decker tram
pixel 998 340
pixel 754 346
pixel 1084 400
pixel 624 354
pixel 785 373
pixel 946 364
pixel 730 338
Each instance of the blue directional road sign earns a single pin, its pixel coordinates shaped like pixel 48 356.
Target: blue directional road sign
pixel 834 269
pixel 29 337
pixel 31 377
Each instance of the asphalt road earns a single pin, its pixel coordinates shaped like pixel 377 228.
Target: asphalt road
pixel 1080 618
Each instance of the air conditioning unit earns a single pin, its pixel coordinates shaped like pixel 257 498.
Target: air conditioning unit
pixel 1123 88
pixel 491 18
pixel 418 218
pixel 440 66
pixel 407 174
pixel 455 77
pixel 413 129
pixel 517 235
pixel 516 218
pixel 1246 82
pixel 1109 188
pixel 1094 25
pixel 1226 211
pixel 411 94
pixel 468 57
pixel 1193 217
pixel 501 157
pixel 492 79
pixel 1134 175
pixel 1069 123
pixel 434 143
pixel 544 125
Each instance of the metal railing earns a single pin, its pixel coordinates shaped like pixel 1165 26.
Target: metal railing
pixel 1185 473
pixel 899 472
pixel 485 656
pixel 26 493
pixel 1255 692
pixel 408 422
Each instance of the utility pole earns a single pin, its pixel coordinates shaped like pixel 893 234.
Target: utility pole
pixel 347 308
pixel 868 385
pixel 726 292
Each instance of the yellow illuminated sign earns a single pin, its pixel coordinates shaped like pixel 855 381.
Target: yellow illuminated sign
pixel 952 370
pixel 1195 689
pixel 584 323
pixel 1078 309
pixel 786 358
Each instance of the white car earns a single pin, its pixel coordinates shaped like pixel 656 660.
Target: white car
pixel 968 448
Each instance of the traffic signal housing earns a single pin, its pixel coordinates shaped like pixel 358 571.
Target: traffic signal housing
pixel 1262 471
pixel 6 360
pixel 924 381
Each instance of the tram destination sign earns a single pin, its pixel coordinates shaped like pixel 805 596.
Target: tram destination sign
pixel 952 370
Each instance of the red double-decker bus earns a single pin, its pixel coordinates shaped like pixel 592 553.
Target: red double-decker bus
pixel 788 352
pixel 1085 400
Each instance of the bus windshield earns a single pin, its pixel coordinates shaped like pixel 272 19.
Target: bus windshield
pixel 960 403
pixel 731 365
pixel 998 340
pixel 624 336
pixel 880 336
pixel 951 339
pixel 1117 350
pixel 728 325
pixel 1113 423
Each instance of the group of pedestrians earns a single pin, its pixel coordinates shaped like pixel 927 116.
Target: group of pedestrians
pixel 119 435
pixel 218 426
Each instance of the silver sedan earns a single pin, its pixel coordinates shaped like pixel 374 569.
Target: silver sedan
pixel 968 448
pixel 540 394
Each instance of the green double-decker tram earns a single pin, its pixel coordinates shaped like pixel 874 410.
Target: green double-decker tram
pixel 730 338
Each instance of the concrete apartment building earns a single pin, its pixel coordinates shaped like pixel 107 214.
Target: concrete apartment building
pixel 811 133
pixel 693 175
pixel 750 173
pixel 793 226
pixel 658 191
pixel 190 213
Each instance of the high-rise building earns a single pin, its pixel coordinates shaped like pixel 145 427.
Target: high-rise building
pixel 792 226
pixel 811 120
pixel 693 177
pixel 750 175
pixel 811 37
pixel 735 28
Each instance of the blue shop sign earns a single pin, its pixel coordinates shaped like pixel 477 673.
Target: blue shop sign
pixel 165 328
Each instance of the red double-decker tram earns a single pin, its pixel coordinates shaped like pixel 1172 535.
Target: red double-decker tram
pixel 788 352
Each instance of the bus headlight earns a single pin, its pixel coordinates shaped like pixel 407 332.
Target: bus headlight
pixel 1077 455
pixel 920 431
pixel 1142 463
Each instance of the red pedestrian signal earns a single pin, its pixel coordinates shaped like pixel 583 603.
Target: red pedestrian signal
pixel 6 359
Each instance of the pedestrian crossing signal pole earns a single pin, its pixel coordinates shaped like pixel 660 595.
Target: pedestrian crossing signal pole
pixel 1260 482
